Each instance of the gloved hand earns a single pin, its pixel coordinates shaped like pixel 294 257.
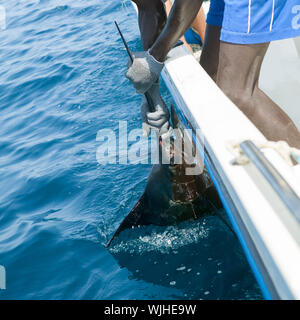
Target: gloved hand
pixel 144 71
pixel 158 120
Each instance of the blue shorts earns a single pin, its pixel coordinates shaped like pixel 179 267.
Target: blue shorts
pixel 255 21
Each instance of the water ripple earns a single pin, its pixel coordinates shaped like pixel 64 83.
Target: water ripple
pixel 61 80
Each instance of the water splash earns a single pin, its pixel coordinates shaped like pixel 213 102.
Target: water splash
pixel 160 239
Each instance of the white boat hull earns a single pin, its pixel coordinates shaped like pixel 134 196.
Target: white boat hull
pixel 268 231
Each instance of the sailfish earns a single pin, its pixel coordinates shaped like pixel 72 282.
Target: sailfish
pixel 171 196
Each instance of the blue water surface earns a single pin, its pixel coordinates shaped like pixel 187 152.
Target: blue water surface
pixel 62 68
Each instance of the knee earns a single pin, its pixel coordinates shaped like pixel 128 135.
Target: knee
pixel 242 98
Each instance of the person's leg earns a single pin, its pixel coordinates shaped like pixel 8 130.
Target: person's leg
pixel 152 19
pixel 238 75
pixel 210 52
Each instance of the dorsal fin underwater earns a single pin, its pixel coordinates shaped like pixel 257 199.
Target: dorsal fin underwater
pixel 171 196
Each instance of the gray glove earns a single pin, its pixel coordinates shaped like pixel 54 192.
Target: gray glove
pixel 144 71
pixel 158 120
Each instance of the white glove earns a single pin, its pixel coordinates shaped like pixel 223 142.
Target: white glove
pixel 158 120
pixel 144 71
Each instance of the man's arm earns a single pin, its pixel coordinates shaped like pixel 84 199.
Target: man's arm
pixel 147 65
pixel 152 19
pixel 181 17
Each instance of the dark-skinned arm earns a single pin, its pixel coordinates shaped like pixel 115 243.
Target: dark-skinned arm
pixel 182 15
pixel 147 65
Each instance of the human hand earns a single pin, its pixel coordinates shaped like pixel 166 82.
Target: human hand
pixel 144 71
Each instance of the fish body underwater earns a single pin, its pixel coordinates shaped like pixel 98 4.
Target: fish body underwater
pixel 171 195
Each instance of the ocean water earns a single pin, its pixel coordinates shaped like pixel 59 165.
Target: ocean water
pixel 62 68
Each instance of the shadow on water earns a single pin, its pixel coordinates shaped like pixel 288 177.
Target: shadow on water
pixel 202 259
